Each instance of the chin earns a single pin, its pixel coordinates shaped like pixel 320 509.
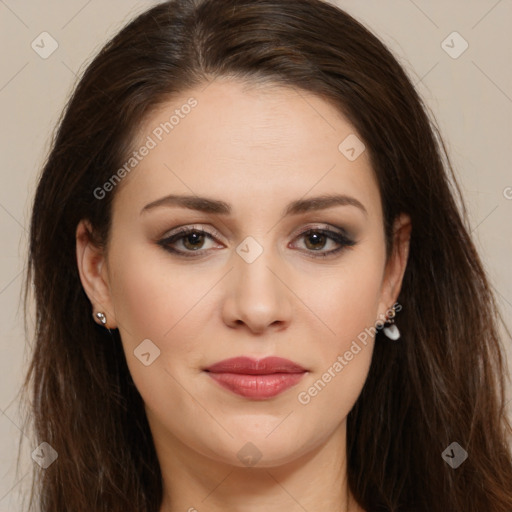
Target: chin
pixel 263 451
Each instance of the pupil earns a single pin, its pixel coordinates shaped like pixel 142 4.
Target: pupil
pixel 192 236
pixel 318 237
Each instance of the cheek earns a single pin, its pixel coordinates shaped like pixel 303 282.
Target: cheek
pixel 347 306
pixel 150 296
pixel 152 304
pixel 346 300
pixel 162 303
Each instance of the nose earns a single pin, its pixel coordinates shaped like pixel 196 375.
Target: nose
pixel 257 294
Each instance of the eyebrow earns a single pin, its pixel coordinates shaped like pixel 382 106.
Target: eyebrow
pixel 215 206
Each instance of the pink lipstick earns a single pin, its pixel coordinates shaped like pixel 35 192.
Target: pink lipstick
pixel 256 379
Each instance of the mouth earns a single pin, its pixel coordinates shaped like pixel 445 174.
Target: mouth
pixel 256 379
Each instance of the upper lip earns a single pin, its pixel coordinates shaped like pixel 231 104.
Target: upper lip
pixel 249 366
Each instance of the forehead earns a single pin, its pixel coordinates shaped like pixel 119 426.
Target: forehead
pixel 250 145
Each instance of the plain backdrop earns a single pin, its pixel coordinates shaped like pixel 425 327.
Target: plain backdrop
pixel 469 94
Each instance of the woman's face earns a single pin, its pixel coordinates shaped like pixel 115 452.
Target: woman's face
pixel 254 285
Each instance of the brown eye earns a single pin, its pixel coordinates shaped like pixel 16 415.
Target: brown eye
pixel 316 240
pixel 192 240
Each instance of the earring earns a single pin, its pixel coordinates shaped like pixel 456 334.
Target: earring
pixel 101 317
pixel 390 329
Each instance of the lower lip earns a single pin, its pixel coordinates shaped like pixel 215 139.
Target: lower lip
pixel 257 387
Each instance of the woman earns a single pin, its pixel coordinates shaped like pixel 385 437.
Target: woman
pixel 254 287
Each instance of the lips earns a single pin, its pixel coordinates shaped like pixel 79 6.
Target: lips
pixel 256 379
pixel 249 366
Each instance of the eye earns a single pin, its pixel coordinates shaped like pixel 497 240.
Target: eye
pixel 315 239
pixel 192 241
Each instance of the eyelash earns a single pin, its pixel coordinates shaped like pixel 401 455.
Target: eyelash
pixel 337 237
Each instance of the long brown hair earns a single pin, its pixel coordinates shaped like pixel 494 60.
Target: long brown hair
pixel 443 383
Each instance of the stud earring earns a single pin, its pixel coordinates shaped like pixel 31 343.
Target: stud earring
pixel 390 329
pixel 101 317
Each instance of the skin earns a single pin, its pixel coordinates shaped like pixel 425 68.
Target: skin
pixel 257 148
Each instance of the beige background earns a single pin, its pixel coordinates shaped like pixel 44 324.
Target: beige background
pixel 471 97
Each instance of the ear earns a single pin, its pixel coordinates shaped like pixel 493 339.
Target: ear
pixel 395 267
pixel 93 272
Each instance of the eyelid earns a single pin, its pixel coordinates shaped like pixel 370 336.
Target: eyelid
pixel 338 235
pixel 216 234
pixel 325 227
pixel 193 227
